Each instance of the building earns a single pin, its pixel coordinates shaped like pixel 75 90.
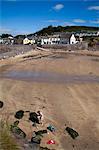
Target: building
pixel 73 39
pixel 11 40
pixel 1 40
pixel 88 33
pixel 8 40
pixel 50 40
pixel 59 38
pixel 27 41
pixel 67 38
pixel 98 33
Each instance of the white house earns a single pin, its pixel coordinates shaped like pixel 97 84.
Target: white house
pixel 7 40
pixel 93 33
pixel 98 33
pixel 1 40
pixel 60 38
pixel 50 40
pixel 73 39
pixel 27 41
pixel 11 39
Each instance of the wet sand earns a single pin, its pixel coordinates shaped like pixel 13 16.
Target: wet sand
pixel 65 90
pixel 49 77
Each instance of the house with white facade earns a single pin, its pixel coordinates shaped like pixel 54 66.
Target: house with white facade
pixel 87 33
pixel 27 41
pixel 1 40
pixel 7 40
pixel 11 39
pixel 60 38
pixel 98 33
pixel 50 40
pixel 73 39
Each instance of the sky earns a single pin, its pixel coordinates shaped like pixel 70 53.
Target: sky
pixel 29 16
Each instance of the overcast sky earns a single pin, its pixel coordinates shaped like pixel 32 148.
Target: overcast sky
pixel 28 16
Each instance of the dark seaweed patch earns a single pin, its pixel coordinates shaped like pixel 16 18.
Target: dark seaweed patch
pixel 72 132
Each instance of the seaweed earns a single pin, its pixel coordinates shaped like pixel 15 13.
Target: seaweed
pixel 18 131
pixel 16 123
pixel 72 132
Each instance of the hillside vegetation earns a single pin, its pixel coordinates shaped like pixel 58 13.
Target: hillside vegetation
pixel 50 29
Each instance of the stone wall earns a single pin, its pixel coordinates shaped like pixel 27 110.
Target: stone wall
pixel 13 50
pixel 72 47
pixel 94 48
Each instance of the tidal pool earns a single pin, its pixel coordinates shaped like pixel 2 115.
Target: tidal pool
pixel 40 76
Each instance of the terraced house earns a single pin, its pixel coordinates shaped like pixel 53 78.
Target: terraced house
pixel 59 38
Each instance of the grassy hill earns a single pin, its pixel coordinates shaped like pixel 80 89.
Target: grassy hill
pixel 50 29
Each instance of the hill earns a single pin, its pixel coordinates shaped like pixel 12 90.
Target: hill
pixel 50 29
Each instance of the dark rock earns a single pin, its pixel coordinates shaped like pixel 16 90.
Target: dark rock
pixel 1 104
pixel 19 114
pixel 34 117
pixel 44 148
pixel 40 132
pixel 27 111
pixel 37 136
pixel 36 139
pixel 72 132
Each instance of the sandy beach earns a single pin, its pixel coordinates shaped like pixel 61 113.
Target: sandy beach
pixel 64 86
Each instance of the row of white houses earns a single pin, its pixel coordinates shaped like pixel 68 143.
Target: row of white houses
pixel 54 39
pixel 87 34
pixel 57 38
pixel 9 40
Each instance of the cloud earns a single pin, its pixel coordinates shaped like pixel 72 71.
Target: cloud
pixel 58 7
pixel 69 24
pixel 93 8
pixel 95 21
pixel 79 21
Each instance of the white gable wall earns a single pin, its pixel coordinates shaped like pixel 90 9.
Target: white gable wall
pixel 73 39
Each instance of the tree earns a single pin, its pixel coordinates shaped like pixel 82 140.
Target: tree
pixel 5 35
pixel 50 29
pixel 20 36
